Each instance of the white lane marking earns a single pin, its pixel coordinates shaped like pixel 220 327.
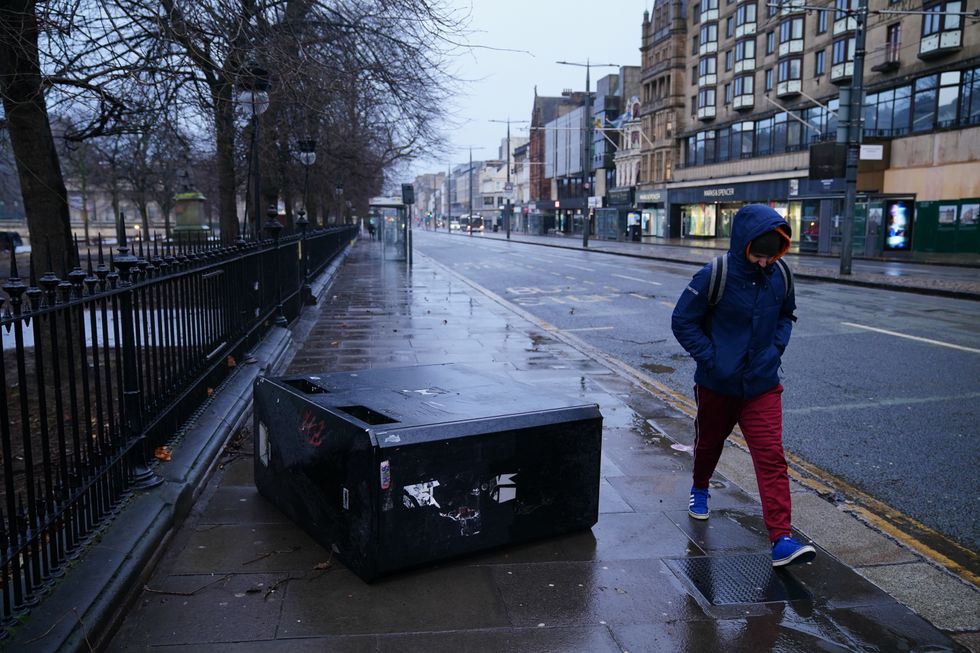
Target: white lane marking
pixel 668 305
pixel 653 283
pixel 905 335
pixel 591 329
pixel 633 294
pixel 580 267
pixel 864 405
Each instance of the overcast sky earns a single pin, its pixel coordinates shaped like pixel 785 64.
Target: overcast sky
pixel 517 43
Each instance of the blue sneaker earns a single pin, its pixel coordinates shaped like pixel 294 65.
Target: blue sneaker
pixel 697 507
pixel 787 551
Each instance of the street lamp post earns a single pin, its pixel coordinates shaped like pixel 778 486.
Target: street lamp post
pixel 854 103
pixel 339 194
pixel 587 164
pixel 508 188
pixel 449 198
pixel 469 180
pixel 274 228
pixel 306 153
pixel 254 94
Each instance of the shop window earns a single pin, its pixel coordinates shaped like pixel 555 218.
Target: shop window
pixel 970 98
pixel 924 115
pixel 763 136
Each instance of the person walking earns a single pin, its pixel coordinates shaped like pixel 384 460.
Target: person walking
pixel 737 337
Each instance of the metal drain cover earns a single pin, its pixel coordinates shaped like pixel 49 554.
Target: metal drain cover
pixel 727 580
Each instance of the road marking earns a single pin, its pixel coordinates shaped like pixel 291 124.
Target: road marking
pixel 652 283
pixel 907 336
pixel 863 405
pixel 638 296
pixel 591 329
pixel 579 267
pixel 668 305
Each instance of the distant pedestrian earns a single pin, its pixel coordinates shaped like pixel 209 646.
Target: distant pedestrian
pixel 371 229
pixel 738 344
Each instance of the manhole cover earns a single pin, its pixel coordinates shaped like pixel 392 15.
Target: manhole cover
pixel 727 580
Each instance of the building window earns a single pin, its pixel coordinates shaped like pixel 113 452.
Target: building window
pixel 791 30
pixel 819 63
pixel 745 85
pixel 789 70
pixel 696 13
pixel 843 51
pixel 708 37
pixel 822 21
pixel 694 76
pixel 772 8
pixel 763 136
pixel 936 101
pixel 893 39
pixel 768 81
pixel 842 8
pixel 924 103
pixel 729 27
pixel 729 58
pixel 770 42
pixel 694 44
pixel 706 98
pixel 941 17
pixel 745 51
pixel 970 99
pixel 728 94
pixel 745 14
pixel 707 66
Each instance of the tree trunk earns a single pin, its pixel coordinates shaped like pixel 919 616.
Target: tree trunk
pixel 38 168
pixel 224 123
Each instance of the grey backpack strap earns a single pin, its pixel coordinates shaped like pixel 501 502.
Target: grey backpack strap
pixel 719 274
pixel 787 277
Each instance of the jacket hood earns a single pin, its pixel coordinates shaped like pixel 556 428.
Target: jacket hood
pixel 753 220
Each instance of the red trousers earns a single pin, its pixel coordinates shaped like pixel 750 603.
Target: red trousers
pixel 761 421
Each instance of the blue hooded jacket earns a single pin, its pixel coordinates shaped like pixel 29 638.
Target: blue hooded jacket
pixel 738 343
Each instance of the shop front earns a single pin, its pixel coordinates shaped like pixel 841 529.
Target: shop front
pixel 708 211
pixel 654 216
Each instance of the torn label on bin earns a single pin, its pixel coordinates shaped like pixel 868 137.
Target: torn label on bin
pixel 505 488
pixel 385 474
pixel 421 494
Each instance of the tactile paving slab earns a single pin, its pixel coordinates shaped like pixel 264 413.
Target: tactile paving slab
pixel 740 579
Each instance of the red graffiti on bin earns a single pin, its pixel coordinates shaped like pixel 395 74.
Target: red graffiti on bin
pixel 312 428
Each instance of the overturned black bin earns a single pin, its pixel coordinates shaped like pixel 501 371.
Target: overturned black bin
pixel 394 468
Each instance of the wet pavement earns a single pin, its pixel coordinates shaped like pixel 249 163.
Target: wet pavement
pixel 238 575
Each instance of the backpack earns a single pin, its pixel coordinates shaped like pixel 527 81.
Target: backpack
pixel 719 274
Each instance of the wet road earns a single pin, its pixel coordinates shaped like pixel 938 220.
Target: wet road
pixel 882 387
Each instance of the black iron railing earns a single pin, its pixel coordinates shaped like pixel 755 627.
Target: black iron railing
pixel 100 367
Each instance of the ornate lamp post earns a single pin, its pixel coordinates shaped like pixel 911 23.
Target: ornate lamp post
pixel 273 227
pixel 306 153
pixel 253 94
pixel 339 195
pixel 307 156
